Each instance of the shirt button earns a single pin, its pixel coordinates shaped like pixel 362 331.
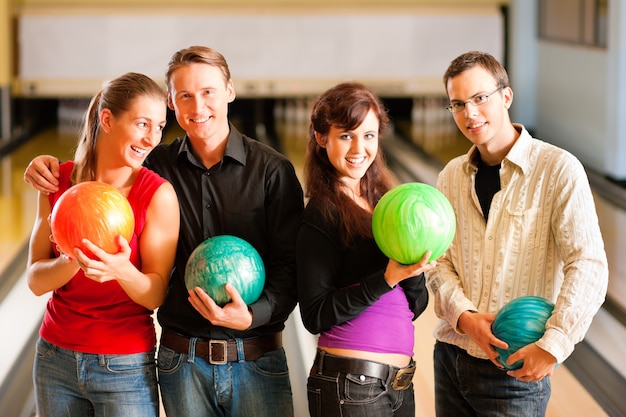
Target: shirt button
pixel 208 206
pixel 362 378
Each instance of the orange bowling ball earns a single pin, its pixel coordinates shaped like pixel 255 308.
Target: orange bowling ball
pixel 92 210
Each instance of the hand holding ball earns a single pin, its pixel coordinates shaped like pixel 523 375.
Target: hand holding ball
pixel 222 259
pixel 91 210
pixel 411 219
pixel 520 323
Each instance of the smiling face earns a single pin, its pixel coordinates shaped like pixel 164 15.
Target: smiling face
pixel 487 125
pixel 351 152
pixel 134 133
pixel 200 95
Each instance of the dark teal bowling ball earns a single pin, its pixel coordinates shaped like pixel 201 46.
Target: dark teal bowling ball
pixel 411 219
pixel 519 323
pixel 223 259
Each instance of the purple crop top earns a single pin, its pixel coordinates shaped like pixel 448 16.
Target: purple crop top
pixel 384 327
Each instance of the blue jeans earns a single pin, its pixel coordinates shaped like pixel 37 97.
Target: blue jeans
pixel 69 383
pixel 472 387
pixel 338 394
pixel 192 387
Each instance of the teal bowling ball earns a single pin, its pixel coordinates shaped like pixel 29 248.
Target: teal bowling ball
pixel 411 219
pixel 222 259
pixel 520 322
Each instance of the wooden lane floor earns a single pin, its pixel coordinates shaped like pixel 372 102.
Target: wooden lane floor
pixel 18 201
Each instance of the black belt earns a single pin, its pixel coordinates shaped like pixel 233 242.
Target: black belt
pixel 401 377
pixel 219 352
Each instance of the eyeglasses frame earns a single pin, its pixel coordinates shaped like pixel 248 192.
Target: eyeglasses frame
pixel 471 99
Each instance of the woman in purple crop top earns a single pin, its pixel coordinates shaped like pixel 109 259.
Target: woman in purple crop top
pixel 361 303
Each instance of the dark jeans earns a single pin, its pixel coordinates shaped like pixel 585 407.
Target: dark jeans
pixel 470 387
pixel 335 394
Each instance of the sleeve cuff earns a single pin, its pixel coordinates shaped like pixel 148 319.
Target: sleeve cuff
pixel 556 344
pixel 261 314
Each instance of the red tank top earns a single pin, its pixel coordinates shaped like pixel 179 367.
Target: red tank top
pixel 91 317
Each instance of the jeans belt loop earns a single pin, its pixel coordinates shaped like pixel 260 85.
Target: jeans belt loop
pixel 191 355
pixel 215 346
pixel 241 354
pixel 320 361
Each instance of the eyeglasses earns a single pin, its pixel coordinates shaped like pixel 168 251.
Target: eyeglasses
pixel 477 100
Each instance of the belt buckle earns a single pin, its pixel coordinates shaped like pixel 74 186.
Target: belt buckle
pixel 217 344
pixel 402 379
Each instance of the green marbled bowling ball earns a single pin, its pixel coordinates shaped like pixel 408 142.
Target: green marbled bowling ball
pixel 223 259
pixel 520 322
pixel 411 219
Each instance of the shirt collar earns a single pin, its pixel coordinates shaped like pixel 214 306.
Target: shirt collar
pixel 518 155
pixel 234 148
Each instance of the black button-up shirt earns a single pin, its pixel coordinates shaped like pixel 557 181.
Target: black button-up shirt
pixel 253 193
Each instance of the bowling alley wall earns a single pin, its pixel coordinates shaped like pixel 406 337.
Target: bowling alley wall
pixel 291 48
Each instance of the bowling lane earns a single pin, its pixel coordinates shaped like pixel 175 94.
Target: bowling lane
pixel 18 202
pixel 610 200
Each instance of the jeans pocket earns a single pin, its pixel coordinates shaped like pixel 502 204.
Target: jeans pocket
pixel 361 388
pixel 272 363
pixel 323 396
pixel 168 361
pixel 44 349
pixel 314 396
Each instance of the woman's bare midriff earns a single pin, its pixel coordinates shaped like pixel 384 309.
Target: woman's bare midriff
pixel 395 359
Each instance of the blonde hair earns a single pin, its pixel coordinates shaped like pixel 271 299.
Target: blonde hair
pixel 116 96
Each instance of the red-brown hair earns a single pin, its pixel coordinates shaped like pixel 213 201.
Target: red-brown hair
pixel 345 106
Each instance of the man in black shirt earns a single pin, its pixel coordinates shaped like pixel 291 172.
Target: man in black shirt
pixel 229 360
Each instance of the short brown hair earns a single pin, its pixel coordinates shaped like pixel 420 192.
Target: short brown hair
pixel 197 54
pixel 469 60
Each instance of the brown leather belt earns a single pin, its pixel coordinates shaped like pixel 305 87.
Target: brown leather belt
pixel 219 352
pixel 401 377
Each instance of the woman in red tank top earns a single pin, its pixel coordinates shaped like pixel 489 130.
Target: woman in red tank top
pixel 95 354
